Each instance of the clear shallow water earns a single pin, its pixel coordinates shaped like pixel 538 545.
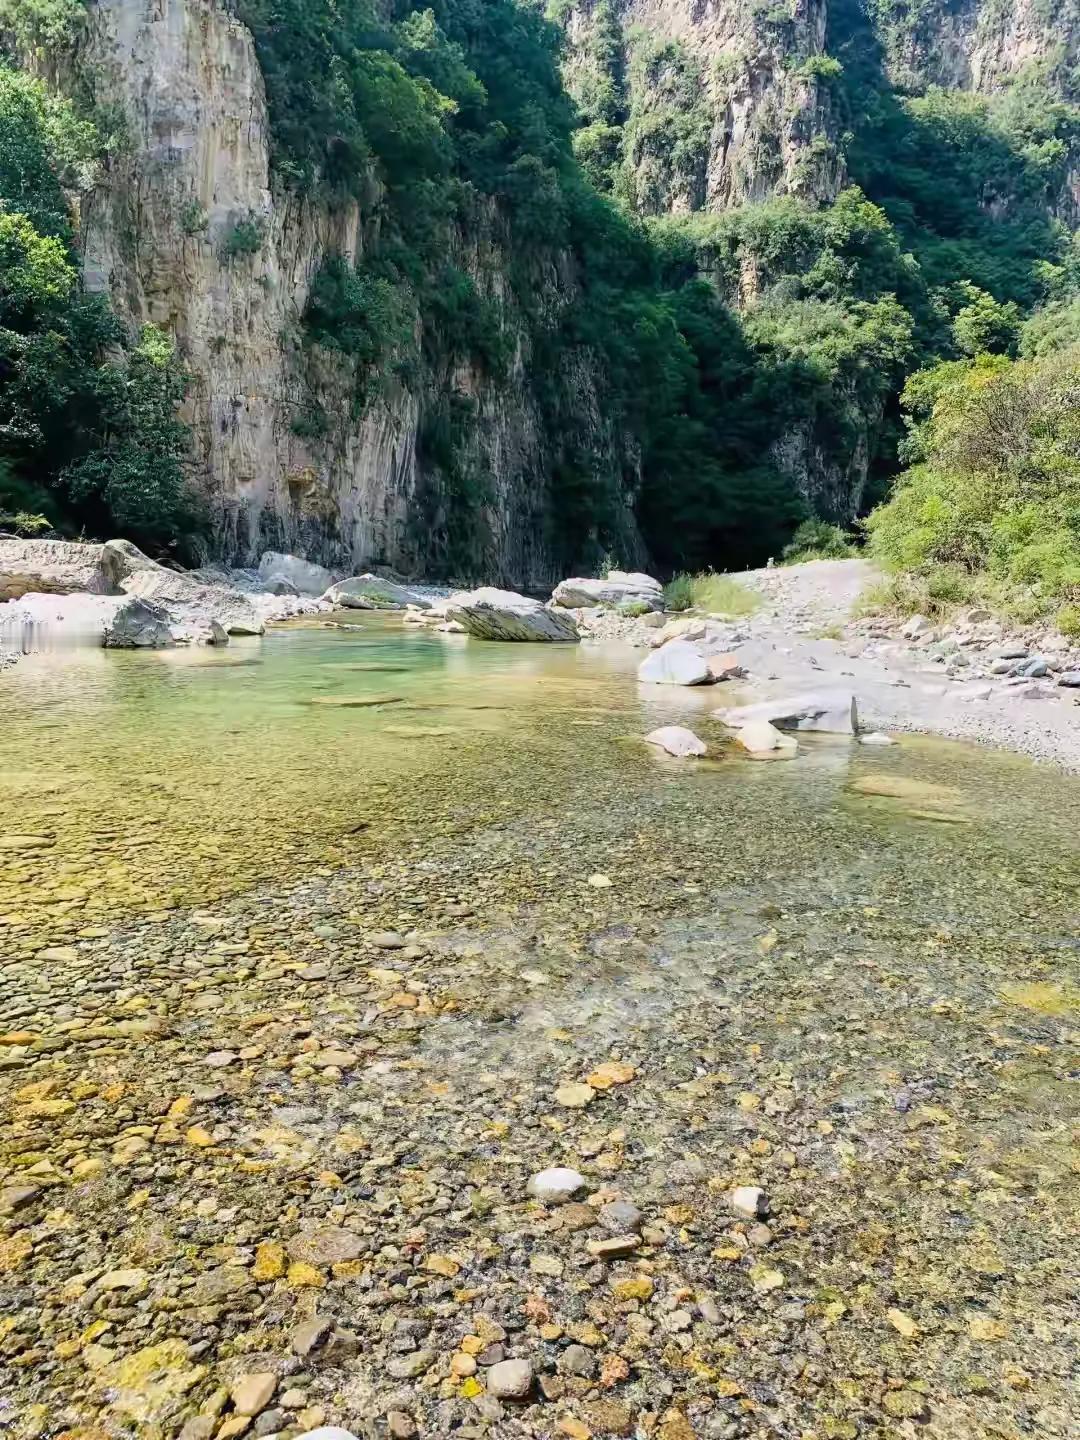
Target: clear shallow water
pixel 851 978
pixel 139 781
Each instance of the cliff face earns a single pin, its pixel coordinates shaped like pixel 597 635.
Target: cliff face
pixel 763 119
pixel 687 106
pixel 188 231
pixel 706 105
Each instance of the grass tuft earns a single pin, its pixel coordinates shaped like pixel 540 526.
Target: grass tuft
pixel 715 594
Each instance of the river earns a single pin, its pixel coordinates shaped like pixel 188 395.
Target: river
pixel 455 870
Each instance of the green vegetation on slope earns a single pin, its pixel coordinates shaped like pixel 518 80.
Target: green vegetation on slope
pixel 85 440
pixel 991 505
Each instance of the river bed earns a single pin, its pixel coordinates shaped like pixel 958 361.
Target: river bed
pixel 295 985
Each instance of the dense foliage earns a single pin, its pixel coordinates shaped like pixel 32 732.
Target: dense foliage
pixel 86 439
pixel 993 496
pixel 703 364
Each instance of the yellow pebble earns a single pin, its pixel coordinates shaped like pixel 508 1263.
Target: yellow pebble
pixel 269 1261
pixel 301 1274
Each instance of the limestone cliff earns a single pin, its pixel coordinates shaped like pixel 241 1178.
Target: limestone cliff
pixel 189 230
pixel 763 123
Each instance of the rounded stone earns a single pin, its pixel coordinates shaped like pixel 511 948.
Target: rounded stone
pixel 556 1186
pixel 510 1379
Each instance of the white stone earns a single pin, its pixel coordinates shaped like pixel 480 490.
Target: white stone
pixel 676 663
pixel 748 1201
pixel 831 711
pixel 307 577
pixel 761 738
pixel 875 737
pixel 616 588
pixel 677 740
pixel 916 627
pixel 490 614
pixel 510 1379
pixel 327 1432
pixel 555 1186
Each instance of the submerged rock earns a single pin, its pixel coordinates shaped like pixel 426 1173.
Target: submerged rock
pixel 676 663
pixel 832 711
pixel 490 614
pixel 618 587
pixel 677 740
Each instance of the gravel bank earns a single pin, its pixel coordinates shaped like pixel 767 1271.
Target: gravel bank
pixel 801 638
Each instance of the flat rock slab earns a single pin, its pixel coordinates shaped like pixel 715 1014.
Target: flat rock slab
pixel 833 712
pixel 356 702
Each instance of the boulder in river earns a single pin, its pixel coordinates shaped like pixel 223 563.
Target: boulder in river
pixel 139 625
pixel 372 592
pixel 676 663
pixel 677 740
pixel 50 567
pixel 618 587
pixel 832 711
pixel 490 614
pixel 304 576
pixel 189 601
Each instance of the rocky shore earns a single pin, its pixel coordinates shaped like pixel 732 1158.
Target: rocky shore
pixel 974 679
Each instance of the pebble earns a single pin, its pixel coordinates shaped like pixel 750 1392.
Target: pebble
pixel 388 940
pixel 748 1201
pixel 253 1393
pixel 556 1186
pixel 310 1333
pixel 575 1096
pixel 510 1380
pixel 408 1367
pixel 621 1216
pixel 876 737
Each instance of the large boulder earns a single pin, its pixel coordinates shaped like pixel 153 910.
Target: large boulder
pixel 139 625
pixel 190 602
pixel 617 588
pixel 491 614
pixel 676 663
pixel 50 567
pixel 304 576
pixel 833 711
pixel 372 592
